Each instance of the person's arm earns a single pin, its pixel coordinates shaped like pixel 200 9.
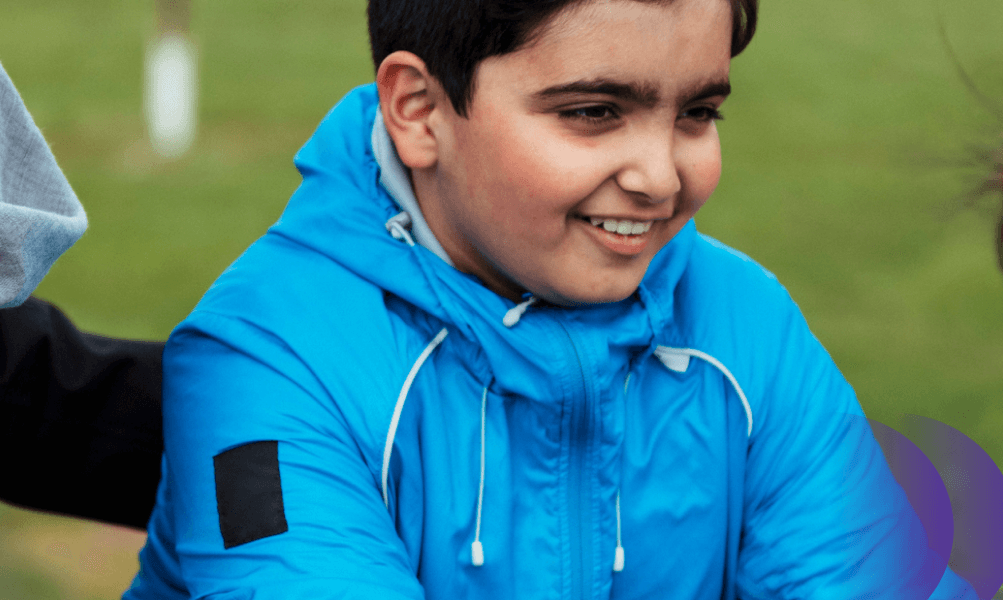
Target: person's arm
pixel 80 424
pixel 824 516
pixel 274 494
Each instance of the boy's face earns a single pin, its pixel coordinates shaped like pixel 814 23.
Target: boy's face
pixel 607 117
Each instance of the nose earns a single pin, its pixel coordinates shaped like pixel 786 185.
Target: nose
pixel 650 170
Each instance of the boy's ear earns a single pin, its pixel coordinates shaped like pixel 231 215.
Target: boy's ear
pixel 408 96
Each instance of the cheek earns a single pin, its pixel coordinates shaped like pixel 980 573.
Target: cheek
pixel 711 176
pixel 523 179
pixel 531 184
pixel 521 169
pixel 704 174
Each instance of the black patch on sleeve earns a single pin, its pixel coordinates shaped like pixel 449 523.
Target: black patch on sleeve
pixel 249 493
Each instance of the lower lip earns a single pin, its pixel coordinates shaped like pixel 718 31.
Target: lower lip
pixel 625 245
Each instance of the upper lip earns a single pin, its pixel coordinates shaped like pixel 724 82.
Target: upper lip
pixel 636 219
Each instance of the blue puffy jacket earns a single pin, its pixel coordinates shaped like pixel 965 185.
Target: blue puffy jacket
pixel 347 416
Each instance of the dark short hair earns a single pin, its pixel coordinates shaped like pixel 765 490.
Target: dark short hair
pixel 454 36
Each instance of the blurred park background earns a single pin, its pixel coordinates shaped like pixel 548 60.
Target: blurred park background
pixel 850 148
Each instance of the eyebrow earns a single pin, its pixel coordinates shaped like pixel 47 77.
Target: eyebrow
pixel 709 89
pixel 643 93
pixel 640 93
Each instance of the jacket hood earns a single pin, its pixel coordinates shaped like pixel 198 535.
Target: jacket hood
pixel 40 216
pixel 342 211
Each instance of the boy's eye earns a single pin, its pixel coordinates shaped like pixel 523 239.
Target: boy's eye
pixel 703 114
pixel 594 113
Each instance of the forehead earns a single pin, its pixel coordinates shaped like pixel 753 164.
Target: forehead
pixel 660 48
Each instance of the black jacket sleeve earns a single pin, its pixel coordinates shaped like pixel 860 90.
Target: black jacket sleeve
pixel 80 421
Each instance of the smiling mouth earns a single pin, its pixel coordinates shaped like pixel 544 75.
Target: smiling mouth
pixel 620 226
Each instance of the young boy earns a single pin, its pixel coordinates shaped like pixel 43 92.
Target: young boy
pixel 485 353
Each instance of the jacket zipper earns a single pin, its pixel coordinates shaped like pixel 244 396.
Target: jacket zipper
pixel 579 497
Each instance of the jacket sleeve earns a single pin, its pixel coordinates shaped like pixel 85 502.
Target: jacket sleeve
pixel 824 517
pixel 81 414
pixel 318 527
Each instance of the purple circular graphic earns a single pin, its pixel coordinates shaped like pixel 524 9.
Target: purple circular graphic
pixel 975 486
pixel 923 486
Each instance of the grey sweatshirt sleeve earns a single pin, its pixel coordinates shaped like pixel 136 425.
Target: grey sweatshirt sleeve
pixel 40 216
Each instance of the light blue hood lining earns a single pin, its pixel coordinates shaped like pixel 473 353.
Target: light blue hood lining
pixel 394 178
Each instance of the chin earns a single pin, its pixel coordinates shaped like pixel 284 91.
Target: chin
pixel 585 297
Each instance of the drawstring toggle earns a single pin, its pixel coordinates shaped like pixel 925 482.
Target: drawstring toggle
pixel 397 226
pixel 618 561
pixel 515 313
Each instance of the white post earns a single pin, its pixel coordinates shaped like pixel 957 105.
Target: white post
pixel 171 87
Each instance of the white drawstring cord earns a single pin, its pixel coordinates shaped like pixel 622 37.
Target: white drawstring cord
pixel 397 225
pixel 618 559
pixel 476 549
pixel 515 313
pixel 399 407
pixel 669 357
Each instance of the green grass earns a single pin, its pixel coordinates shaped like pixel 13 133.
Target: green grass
pixel 842 175
pixel 845 146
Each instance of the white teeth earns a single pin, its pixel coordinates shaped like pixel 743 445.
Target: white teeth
pixel 623 227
